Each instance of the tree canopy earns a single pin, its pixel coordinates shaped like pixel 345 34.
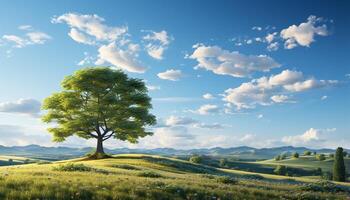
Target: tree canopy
pixel 100 103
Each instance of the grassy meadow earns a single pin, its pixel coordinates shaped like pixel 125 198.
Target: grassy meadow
pixel 138 176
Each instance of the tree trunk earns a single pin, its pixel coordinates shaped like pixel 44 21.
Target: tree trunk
pixel 99 148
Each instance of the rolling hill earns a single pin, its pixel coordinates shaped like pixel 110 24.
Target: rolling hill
pixel 139 176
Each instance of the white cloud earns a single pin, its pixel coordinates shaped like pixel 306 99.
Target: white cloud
pixel 324 97
pixel 171 74
pixel 157 43
pixel 22 106
pixel 25 27
pixel 208 96
pixel 30 38
pixel 260 116
pixel 152 87
pixel 92 25
pixel 270 37
pixel 114 45
pixel 304 33
pixel 123 59
pixel 268 90
pixel 280 98
pixel 80 37
pixel 257 28
pixel 209 126
pixel 175 121
pixel 273 46
pixel 38 37
pixel 235 64
pixel 18 41
pixel 207 109
pixel 309 137
pixel 11 135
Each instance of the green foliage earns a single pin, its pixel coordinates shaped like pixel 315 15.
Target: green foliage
pixel 327 176
pixel 281 157
pixel 223 162
pixel 71 167
pixel 324 186
pixel 320 157
pixel 307 153
pixel 339 173
pixel 196 159
pixel 149 174
pixel 127 167
pixel 295 155
pixel 280 170
pixel 345 153
pixel 331 155
pixel 278 157
pixel 227 180
pixel 99 103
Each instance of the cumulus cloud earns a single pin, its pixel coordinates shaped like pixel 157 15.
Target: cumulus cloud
pixel 269 90
pixel 123 59
pixel 235 64
pixel 92 25
pixel 171 74
pixel 157 43
pixel 113 43
pixel 207 109
pixel 22 106
pixel 304 33
pixel 30 38
pixel 208 96
pixel 309 137
pixel 175 121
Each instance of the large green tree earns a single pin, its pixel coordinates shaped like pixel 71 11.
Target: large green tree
pixel 99 103
pixel 339 173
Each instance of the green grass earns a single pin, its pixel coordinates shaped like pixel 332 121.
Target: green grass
pixel 306 162
pixel 150 177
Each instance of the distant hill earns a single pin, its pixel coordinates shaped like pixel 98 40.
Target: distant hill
pixel 59 153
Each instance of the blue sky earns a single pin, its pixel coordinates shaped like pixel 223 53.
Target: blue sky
pixel 223 73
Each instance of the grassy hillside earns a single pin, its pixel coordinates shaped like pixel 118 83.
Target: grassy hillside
pixel 15 160
pixel 152 177
pixel 307 162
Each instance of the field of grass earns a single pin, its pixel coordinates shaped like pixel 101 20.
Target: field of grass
pixel 153 177
pixel 15 160
pixel 306 162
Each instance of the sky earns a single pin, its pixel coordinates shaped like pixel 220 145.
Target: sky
pixel 220 73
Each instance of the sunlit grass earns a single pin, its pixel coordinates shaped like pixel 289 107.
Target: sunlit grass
pixel 155 178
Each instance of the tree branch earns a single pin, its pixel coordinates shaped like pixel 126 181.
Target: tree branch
pixel 108 136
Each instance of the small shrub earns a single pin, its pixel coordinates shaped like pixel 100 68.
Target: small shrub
pixel 127 167
pixel 71 167
pixel 227 180
pixel 324 186
pixel 223 162
pixel 307 153
pixel 196 159
pixel 277 158
pixel 280 170
pixel 327 176
pixel 295 155
pixel 320 157
pixel 150 174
